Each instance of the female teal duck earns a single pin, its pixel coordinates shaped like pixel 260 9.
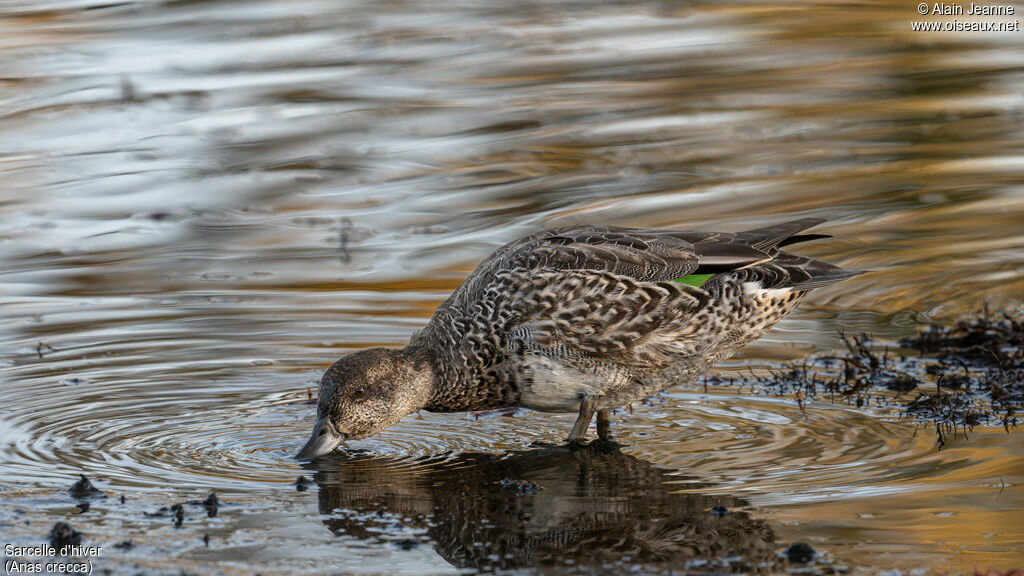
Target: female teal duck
pixel 585 318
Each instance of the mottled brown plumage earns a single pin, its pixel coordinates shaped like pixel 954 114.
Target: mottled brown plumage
pixel 581 319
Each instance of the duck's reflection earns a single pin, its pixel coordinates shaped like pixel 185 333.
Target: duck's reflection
pixel 584 507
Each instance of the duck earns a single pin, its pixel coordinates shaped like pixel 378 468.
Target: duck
pixel 582 319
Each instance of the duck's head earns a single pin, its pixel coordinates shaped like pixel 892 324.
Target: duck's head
pixel 364 393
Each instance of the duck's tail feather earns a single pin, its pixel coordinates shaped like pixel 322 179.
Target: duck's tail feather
pixel 776 235
pixel 802 238
pixel 803 273
pixel 828 278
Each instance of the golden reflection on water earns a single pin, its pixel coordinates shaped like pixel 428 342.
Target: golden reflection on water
pixel 203 205
pixel 970 513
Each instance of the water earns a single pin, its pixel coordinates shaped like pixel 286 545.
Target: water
pixel 204 204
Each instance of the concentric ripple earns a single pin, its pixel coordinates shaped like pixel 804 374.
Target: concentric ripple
pixel 143 414
pixel 150 392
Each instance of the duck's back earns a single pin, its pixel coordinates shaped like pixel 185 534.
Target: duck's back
pixel 612 313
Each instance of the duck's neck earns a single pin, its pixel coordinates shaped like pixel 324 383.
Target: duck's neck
pixel 424 384
pixel 456 387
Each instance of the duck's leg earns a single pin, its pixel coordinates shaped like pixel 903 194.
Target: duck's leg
pixel 604 431
pixel 579 429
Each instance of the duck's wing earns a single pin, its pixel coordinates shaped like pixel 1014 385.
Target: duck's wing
pixel 645 255
pixel 640 254
pixel 660 255
pixel 606 294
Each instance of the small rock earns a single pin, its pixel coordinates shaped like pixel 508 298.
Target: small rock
pixel 62 534
pixel 407 544
pixel 206 540
pixel 125 545
pixel 83 507
pixel 84 489
pixel 179 514
pixel 302 484
pixel 799 553
pixel 719 511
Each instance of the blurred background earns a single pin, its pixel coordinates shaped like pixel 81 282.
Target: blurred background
pixel 204 203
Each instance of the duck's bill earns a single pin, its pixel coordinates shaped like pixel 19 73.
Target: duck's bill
pixel 322 441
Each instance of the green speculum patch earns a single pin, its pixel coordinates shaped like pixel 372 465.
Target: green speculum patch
pixel 694 279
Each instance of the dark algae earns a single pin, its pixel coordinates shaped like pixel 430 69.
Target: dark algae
pixel 952 377
pixel 979 371
pixel 62 534
pixel 178 512
pixel 211 503
pixel 83 488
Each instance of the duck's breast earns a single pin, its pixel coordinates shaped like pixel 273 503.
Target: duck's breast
pixel 550 383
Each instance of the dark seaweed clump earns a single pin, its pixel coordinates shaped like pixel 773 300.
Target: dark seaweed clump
pixel 84 489
pixel 62 534
pixel 963 375
pixel 211 504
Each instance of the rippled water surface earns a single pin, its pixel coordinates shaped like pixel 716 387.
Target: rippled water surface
pixel 204 203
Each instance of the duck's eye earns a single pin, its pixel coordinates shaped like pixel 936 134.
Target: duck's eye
pixel 359 392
